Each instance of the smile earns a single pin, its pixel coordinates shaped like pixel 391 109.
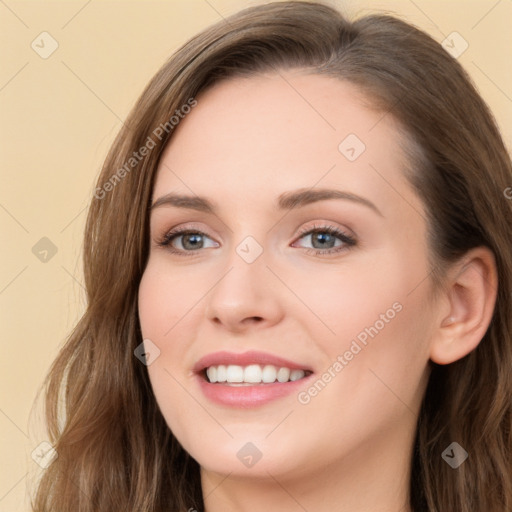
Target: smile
pixel 252 374
pixel 249 379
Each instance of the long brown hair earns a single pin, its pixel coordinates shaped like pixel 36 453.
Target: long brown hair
pixel 115 451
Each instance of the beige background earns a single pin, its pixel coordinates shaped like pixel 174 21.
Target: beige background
pixel 58 117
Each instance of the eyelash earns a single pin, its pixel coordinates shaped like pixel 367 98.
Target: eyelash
pixel 347 240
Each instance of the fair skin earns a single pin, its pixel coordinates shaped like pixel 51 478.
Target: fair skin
pixel 348 449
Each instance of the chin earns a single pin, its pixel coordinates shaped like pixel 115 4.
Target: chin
pixel 248 458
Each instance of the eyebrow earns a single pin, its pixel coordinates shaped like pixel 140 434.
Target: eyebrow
pixel 285 201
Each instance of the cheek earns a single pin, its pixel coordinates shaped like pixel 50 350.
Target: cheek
pixel 362 299
pixel 164 297
pixel 154 305
pixel 376 375
pixel 162 315
pixel 380 324
pixel 162 310
pixel 382 348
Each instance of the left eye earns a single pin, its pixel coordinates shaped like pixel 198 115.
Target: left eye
pixel 325 239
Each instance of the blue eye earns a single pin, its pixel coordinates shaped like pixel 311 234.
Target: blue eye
pixel 324 237
pixel 191 241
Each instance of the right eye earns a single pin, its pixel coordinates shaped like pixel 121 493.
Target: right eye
pixel 190 241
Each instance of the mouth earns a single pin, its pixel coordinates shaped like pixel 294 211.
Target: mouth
pixel 250 379
pixel 251 375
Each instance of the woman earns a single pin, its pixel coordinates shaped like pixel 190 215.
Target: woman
pixel 299 283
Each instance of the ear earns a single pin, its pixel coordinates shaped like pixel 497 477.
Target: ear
pixel 470 295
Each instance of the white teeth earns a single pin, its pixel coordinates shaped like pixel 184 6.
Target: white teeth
pixel 212 374
pixel 283 375
pixel 296 374
pixel 269 373
pixel 252 374
pixel 235 373
pixel 221 373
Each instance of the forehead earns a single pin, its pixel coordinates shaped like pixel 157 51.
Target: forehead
pixel 253 138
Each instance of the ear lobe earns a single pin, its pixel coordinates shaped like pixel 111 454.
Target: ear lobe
pixel 471 294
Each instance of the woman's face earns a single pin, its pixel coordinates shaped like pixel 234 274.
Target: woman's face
pixel 306 250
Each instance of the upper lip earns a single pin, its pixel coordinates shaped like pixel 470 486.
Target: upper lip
pixel 246 359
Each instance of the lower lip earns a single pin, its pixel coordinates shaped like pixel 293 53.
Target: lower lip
pixel 250 396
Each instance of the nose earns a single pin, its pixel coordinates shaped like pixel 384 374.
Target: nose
pixel 246 295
